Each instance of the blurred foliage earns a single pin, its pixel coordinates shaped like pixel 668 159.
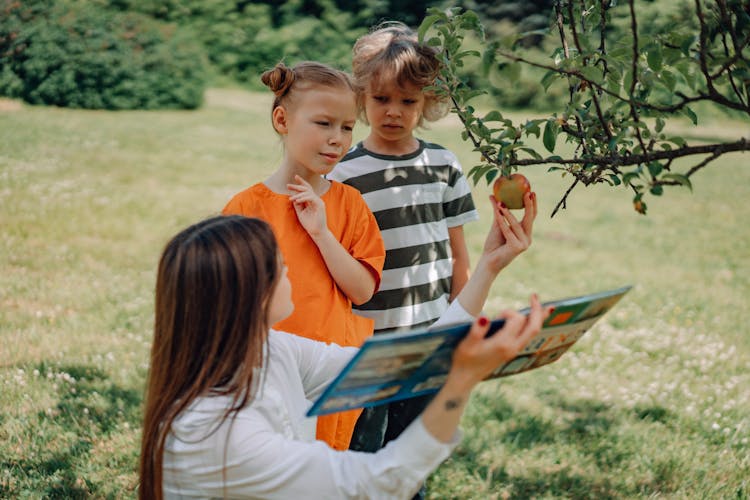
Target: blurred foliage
pixel 82 56
pixel 242 38
pixel 121 54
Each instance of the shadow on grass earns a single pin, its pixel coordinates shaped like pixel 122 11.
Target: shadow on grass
pixel 53 476
pixel 56 461
pixel 590 430
pixel 565 483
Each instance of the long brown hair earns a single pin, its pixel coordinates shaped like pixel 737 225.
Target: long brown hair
pixel 213 286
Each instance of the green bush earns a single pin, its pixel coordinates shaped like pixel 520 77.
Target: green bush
pixel 243 39
pixel 61 53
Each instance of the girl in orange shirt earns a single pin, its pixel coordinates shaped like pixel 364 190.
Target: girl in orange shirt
pixel 328 236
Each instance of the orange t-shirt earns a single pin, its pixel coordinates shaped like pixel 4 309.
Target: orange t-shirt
pixel 321 310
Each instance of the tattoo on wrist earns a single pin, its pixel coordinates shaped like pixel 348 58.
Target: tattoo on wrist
pixel 452 404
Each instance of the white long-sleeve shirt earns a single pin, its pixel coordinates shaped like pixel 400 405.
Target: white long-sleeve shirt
pixel 269 449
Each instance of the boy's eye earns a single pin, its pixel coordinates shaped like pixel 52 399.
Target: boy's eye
pixel 380 98
pixel 348 128
pixel 410 101
pixel 322 122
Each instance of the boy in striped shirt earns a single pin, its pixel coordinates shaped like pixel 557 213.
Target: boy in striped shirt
pixel 418 194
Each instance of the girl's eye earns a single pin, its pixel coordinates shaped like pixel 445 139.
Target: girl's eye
pixel 348 128
pixel 323 123
pixel 409 102
pixel 380 98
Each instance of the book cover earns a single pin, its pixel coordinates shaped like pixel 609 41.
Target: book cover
pixel 401 365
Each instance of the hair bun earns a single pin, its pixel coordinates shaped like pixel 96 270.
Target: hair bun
pixel 278 79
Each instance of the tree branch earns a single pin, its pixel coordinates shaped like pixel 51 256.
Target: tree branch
pixel 637 159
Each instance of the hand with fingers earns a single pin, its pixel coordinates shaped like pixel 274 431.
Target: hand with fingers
pixel 509 237
pixel 309 207
pixel 475 358
pixel 477 355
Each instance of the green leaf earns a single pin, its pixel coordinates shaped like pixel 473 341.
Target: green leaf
pixel 687 43
pixel 628 81
pixel 489 176
pixel 592 73
pixel 548 78
pixel 683 180
pixel 691 77
pixel 493 116
pixel 679 141
pixel 655 168
pixel 629 177
pixel 426 24
pixel 615 180
pixel 531 152
pixel 654 58
pixel 467 53
pixel 690 114
pixel 549 138
pixel 434 42
pixel 471 94
pixel 668 79
pixel 657 190
pixel 659 124
pixel 532 127
pixel 489 57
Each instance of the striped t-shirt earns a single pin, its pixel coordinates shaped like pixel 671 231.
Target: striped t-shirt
pixel 415 199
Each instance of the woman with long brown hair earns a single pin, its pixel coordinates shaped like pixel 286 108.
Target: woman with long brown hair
pixel 227 395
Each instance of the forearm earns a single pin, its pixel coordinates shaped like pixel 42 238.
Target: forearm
pixel 460 276
pixel 473 295
pixel 443 415
pixel 351 276
pixel 461 261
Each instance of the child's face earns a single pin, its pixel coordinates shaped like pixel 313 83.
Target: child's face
pixel 317 128
pixel 393 112
pixel 281 297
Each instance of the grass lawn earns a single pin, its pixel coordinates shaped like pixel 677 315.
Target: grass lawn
pixel 653 402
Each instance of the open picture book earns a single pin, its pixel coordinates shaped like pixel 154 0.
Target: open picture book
pixel 394 366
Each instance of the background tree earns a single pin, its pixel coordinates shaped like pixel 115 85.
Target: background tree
pixel 64 53
pixel 622 87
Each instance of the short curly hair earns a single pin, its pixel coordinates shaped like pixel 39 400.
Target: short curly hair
pixel 392 52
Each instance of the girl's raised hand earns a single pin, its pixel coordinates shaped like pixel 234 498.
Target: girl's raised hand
pixel 508 237
pixel 310 208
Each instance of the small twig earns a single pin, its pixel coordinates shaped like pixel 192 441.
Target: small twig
pixel 561 203
pixel 636 55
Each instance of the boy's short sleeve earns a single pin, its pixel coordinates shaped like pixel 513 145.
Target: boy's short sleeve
pixel 458 203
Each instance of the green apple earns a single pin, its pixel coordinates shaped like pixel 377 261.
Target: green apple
pixel 510 190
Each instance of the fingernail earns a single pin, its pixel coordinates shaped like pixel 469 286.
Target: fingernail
pixel 503 205
pixel 483 321
pixel 551 309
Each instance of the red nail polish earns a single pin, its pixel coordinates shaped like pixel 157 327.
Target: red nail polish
pixel 503 205
pixel 483 321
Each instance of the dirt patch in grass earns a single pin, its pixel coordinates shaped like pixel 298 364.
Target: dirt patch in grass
pixel 10 105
